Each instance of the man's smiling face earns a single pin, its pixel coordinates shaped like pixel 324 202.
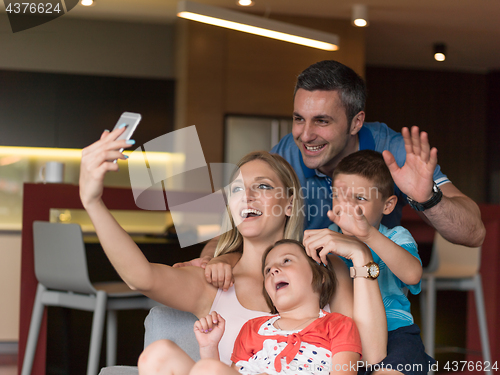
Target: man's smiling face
pixel 320 128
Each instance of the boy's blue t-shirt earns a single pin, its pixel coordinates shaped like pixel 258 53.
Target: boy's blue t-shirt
pixel 397 305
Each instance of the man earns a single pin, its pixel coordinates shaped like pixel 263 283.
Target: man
pixel 328 124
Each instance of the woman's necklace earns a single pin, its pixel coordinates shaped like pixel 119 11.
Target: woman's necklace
pixel 276 324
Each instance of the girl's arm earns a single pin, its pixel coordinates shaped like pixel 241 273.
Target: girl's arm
pixel 185 288
pixel 345 363
pixel 208 332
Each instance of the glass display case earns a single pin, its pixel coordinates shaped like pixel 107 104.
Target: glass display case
pixel 24 164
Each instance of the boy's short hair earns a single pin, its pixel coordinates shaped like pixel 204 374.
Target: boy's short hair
pixel 370 165
pixel 324 281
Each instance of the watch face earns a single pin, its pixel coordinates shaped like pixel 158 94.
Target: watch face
pixel 373 271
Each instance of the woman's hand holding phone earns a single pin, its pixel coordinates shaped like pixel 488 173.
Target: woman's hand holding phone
pixel 97 160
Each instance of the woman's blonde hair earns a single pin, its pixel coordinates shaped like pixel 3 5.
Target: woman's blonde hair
pixel 232 240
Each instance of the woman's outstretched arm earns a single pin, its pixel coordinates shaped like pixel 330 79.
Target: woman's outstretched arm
pixel 181 288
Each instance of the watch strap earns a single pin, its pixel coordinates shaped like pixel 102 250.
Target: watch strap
pixel 437 195
pixel 359 271
pixel 365 270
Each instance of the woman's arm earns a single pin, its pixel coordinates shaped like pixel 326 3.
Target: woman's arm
pixel 184 288
pixel 345 363
pixel 368 310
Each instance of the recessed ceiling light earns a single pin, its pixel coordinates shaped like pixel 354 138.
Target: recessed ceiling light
pixel 439 51
pixel 87 3
pixel 360 15
pixel 245 3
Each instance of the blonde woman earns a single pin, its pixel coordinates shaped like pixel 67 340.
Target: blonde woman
pixel 265 207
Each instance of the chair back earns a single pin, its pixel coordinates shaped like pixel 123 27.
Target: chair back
pixel 449 260
pixel 60 260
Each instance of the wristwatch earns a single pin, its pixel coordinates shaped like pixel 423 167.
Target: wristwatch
pixel 370 270
pixel 437 194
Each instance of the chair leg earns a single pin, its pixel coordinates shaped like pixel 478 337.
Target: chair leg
pixel 96 334
pixel 430 317
pixel 423 308
pixel 36 321
pixel 111 337
pixel 481 317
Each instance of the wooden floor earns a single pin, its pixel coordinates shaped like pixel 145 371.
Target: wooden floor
pixel 8 364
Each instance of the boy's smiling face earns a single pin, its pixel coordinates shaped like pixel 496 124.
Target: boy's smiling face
pixel 354 190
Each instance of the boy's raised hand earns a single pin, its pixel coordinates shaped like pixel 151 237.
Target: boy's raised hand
pixel 351 220
pixel 208 332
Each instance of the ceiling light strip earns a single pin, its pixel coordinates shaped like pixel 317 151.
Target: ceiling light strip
pixel 258 25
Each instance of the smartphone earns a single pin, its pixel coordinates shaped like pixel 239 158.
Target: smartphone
pixel 131 120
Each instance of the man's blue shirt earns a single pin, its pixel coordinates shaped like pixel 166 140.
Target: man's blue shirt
pixel 316 187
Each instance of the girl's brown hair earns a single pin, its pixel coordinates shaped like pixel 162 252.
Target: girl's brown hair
pixel 324 281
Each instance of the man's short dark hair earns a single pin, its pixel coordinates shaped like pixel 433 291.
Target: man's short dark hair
pixel 330 75
pixel 370 165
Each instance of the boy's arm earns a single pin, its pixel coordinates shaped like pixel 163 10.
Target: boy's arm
pixel 402 263
pixel 209 249
pixel 207 253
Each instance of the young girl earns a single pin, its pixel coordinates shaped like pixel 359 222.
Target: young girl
pixel 265 204
pixel 302 338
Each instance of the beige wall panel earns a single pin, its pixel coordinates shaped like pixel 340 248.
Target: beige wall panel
pixel 202 85
pixel 352 39
pixel 261 72
pixel 222 72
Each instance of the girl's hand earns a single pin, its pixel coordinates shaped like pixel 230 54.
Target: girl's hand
pixel 219 273
pixel 351 220
pixel 209 330
pixel 97 160
pixel 320 242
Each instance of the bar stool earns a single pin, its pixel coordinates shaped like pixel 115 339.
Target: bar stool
pixel 63 280
pixel 452 267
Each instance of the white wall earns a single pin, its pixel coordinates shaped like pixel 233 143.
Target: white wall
pixel 71 45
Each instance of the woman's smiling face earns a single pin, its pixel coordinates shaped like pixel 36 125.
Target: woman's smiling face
pixel 258 201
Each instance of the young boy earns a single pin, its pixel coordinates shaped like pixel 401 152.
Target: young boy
pixel 363 192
